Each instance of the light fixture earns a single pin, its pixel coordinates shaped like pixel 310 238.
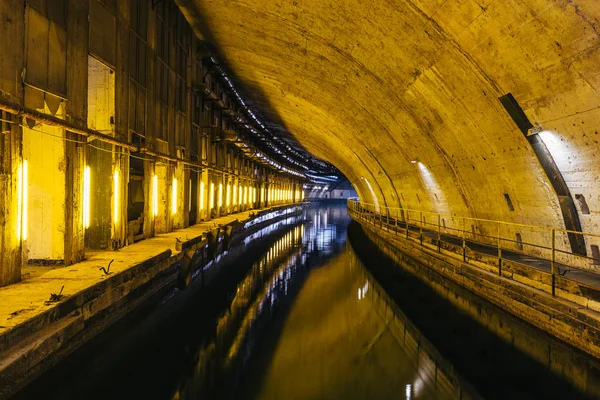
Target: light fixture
pixel 220 196
pixel 174 197
pixel 25 198
pixel 414 160
pixel 228 195
pixel 201 195
pixel 22 198
pixel 211 196
pixel 534 130
pixel 116 196
pixel 155 195
pixel 86 197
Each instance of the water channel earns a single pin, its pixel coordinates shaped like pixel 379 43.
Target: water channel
pixel 308 309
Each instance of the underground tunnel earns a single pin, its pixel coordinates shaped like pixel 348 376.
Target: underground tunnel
pixel 300 199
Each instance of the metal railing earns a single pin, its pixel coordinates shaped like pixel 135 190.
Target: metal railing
pixel 520 243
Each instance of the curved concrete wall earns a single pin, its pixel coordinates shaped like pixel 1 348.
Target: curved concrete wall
pixel 372 85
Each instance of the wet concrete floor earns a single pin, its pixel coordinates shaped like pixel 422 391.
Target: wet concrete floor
pixel 300 312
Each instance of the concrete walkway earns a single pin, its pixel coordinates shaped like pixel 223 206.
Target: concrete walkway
pixel 30 297
pixel 585 276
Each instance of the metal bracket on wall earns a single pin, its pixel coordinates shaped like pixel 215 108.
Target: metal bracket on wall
pixel 567 205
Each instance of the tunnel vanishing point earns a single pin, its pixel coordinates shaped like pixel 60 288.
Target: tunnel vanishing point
pixel 136 134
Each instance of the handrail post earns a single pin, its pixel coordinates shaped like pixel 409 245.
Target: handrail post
pixel 397 218
pixel 387 214
pixel 421 229
pixel 464 244
pixel 439 238
pixel 553 262
pixel 499 252
pixel 406 223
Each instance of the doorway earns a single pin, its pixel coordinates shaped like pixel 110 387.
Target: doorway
pixel 100 156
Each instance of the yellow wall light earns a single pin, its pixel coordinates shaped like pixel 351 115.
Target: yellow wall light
pixel 116 196
pixel 228 195
pixel 201 195
pixel 155 195
pixel 211 196
pixel 86 196
pixel 174 197
pixel 22 200
pixel 220 196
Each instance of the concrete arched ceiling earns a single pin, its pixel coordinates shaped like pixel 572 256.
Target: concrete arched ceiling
pixel 370 85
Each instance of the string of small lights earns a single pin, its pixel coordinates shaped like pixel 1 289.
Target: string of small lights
pixel 311 170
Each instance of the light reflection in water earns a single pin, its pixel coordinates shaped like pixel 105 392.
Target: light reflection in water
pixel 345 328
pixel 264 287
pixel 276 278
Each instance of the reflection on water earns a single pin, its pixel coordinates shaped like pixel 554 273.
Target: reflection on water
pixel 309 322
pixel 342 339
pixel 272 281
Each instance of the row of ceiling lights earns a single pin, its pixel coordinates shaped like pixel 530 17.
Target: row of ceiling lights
pixel 270 139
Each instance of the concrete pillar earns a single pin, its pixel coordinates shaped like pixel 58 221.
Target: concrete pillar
pixel 212 195
pixel 150 198
pixel 161 220
pixel 193 196
pixel 119 195
pixel 74 234
pixel 76 108
pixel 10 245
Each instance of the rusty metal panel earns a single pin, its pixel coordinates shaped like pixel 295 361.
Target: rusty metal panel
pixel 56 12
pixel 132 105
pixel 57 59
pixel 180 129
pixel 11 43
pixel 37 48
pixel 39 5
pixel 140 122
pixel 34 98
pixel 133 60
